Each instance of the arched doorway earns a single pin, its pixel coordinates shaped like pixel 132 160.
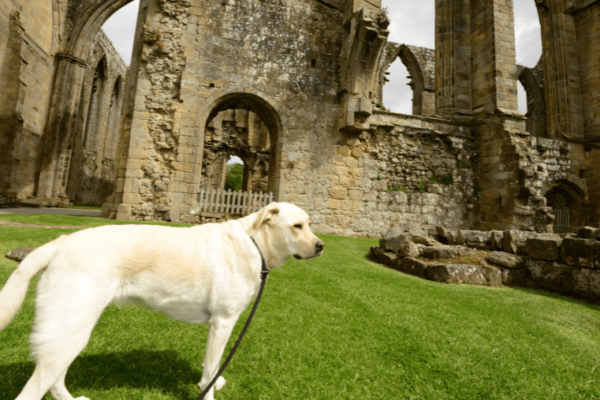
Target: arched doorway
pixel 248 126
pixel 566 201
pixel 240 133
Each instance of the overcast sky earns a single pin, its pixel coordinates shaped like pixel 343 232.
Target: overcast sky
pixel 413 23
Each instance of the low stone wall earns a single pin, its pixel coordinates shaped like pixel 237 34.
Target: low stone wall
pixel 568 264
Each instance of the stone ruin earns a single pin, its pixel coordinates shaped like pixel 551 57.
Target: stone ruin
pixel 294 87
pixel 567 263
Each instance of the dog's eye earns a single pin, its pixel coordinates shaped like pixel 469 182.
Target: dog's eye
pixel 298 226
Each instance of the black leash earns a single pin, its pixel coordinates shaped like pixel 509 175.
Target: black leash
pixel 263 276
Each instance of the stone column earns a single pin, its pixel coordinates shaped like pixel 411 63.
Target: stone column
pixel 494 70
pixel 561 72
pixel 452 57
pixel 11 122
pixel 58 139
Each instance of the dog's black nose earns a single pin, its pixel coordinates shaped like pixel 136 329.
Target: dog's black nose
pixel 319 246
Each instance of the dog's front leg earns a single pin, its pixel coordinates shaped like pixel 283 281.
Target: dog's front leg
pixel 218 335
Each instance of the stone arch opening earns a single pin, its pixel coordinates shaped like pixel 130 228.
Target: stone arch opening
pixel 86 27
pixel 93 123
pixel 82 25
pixel 112 122
pixel 415 78
pixel 567 202
pixel 536 107
pixel 247 126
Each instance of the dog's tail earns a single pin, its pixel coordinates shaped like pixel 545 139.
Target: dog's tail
pixel 13 293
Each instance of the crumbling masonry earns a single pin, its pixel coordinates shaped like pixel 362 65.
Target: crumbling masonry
pixel 294 88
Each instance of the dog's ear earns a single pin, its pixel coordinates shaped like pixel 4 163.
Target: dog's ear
pixel 267 215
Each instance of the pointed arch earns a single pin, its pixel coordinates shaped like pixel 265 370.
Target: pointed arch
pixel 536 106
pixel 92 15
pixel 418 82
pixel 568 201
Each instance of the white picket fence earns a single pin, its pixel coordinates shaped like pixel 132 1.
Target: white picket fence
pixel 230 202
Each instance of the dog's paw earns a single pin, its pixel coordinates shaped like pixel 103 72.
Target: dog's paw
pixel 220 383
pixel 82 398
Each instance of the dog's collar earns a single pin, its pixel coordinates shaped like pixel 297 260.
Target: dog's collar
pixel 264 270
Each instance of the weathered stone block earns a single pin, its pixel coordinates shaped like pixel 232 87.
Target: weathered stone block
pixel 19 254
pixel 543 248
pixel 392 243
pixel 339 193
pixel 476 239
pixel 408 249
pixel 425 240
pixel 579 252
pixel 451 236
pixel 492 275
pixel 583 282
pixel 514 241
pixel 497 240
pixel 412 266
pixel 547 274
pixel 516 276
pixel 456 273
pixel 586 232
pixel 437 252
pixel 505 260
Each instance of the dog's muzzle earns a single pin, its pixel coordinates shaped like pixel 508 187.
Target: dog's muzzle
pixel 318 250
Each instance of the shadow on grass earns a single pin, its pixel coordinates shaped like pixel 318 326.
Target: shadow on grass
pixel 161 370
pixel 590 303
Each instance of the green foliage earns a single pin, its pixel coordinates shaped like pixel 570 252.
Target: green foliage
pixel 421 187
pixel 448 180
pixel 234 177
pixel 396 189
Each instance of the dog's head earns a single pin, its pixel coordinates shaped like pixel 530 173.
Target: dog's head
pixel 287 228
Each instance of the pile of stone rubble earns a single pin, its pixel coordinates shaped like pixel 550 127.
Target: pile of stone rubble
pixel 568 265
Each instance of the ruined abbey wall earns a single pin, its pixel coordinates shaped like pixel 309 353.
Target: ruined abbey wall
pixel 295 89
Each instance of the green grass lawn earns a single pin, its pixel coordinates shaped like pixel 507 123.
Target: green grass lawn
pixel 335 327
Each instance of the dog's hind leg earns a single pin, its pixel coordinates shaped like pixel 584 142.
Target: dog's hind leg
pixel 218 335
pixel 59 390
pixel 67 309
pixel 51 368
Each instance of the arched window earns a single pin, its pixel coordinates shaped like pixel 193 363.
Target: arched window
pixel 528 41
pixel 412 23
pixel 93 119
pixel 112 123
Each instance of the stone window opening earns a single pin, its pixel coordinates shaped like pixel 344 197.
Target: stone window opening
pixel 396 98
pixel 94 115
pixel 112 122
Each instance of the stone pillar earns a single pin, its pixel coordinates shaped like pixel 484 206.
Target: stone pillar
pixel 58 139
pixel 452 57
pixel 11 121
pixel 494 70
pixel 561 71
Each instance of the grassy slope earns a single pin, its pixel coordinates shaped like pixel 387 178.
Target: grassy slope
pixel 337 327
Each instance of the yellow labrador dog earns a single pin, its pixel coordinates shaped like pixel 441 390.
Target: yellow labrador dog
pixel 202 274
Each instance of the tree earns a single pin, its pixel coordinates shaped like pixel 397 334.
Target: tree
pixel 234 177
